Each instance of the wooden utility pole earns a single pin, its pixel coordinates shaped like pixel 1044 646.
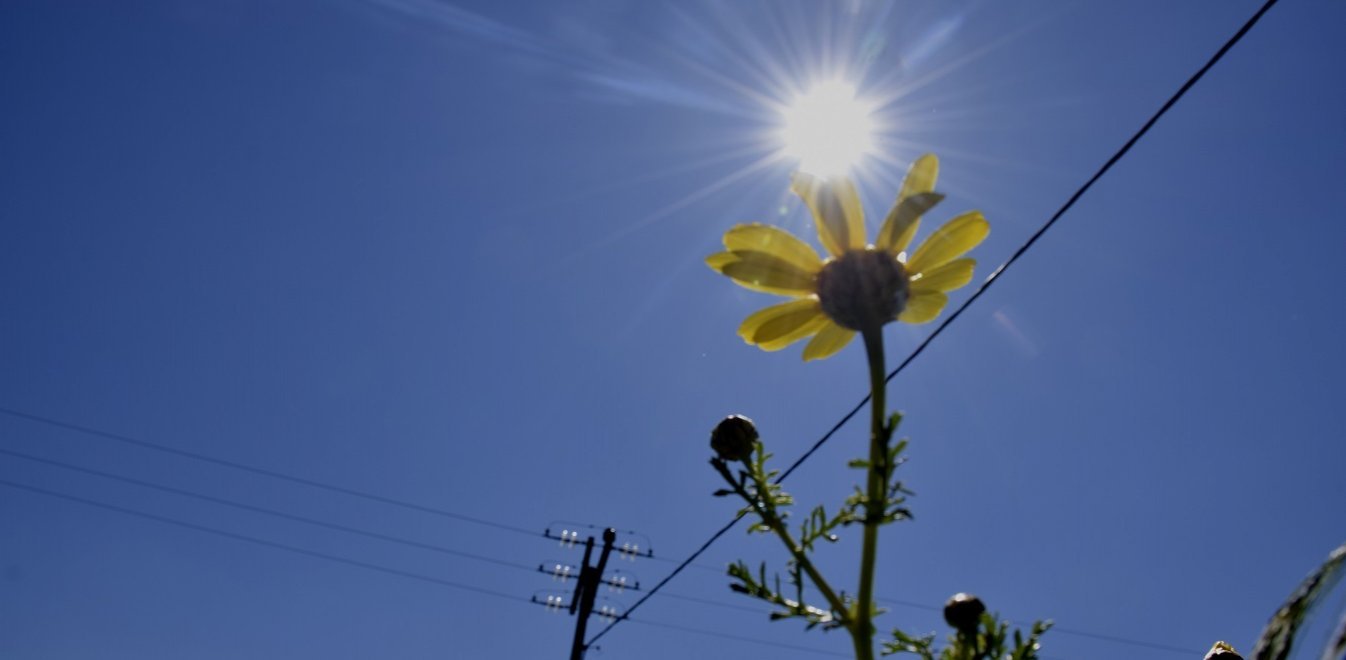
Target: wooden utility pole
pixel 587 589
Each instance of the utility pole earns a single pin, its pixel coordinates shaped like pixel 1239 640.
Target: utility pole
pixel 584 599
pixel 587 589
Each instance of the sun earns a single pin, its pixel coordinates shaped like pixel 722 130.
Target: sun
pixel 828 129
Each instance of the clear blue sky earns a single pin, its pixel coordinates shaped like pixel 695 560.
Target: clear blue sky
pixel 450 253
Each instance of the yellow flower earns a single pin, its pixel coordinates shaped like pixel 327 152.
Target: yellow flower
pixel 859 286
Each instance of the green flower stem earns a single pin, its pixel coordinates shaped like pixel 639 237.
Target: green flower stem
pixel 797 552
pixel 767 512
pixel 862 628
pixel 803 560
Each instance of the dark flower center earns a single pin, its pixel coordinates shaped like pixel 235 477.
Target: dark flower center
pixel 863 289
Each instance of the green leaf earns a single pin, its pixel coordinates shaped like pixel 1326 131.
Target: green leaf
pixel 894 420
pixel 1279 636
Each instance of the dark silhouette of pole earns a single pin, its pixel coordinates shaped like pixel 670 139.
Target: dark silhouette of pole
pixel 587 589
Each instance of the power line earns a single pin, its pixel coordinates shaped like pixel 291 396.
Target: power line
pixel 670 560
pixel 366 565
pixel 1191 653
pixel 667 578
pixel 328 525
pixel 303 481
pixel 154 446
pixel 263 542
pixel 681 566
pixel 482 558
pixel 1116 157
pixel 782 645
pixel 714 603
pixel 334 526
pixel 920 348
pixel 1065 631
pixel 1032 239
pixel 486 559
pixel 764 642
pixel 269 512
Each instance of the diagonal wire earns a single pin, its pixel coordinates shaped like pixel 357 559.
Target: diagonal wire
pixel 1032 239
pixel 154 446
pixel 667 578
pixel 920 348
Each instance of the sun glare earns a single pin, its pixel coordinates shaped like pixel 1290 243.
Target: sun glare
pixel 828 129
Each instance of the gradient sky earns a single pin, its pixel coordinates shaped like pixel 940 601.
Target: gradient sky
pixel 450 253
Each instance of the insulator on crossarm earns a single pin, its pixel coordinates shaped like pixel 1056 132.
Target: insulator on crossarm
pixel 629 551
pixel 555 603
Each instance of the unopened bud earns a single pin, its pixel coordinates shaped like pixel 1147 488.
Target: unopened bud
pixel 963 612
pixel 733 438
pixel 1223 651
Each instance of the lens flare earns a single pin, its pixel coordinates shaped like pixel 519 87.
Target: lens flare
pixel 828 129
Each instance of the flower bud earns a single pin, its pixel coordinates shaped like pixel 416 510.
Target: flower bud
pixel 1223 651
pixel 733 438
pixel 963 612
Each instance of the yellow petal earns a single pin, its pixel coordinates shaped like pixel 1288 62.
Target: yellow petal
pixel 920 177
pixel 719 260
pixel 902 220
pixel 905 216
pixel 757 318
pixel 836 210
pixel 780 325
pixel 765 272
pixel 950 242
pixel 831 338
pixel 774 241
pixel 807 330
pixel 950 276
pixel 923 307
